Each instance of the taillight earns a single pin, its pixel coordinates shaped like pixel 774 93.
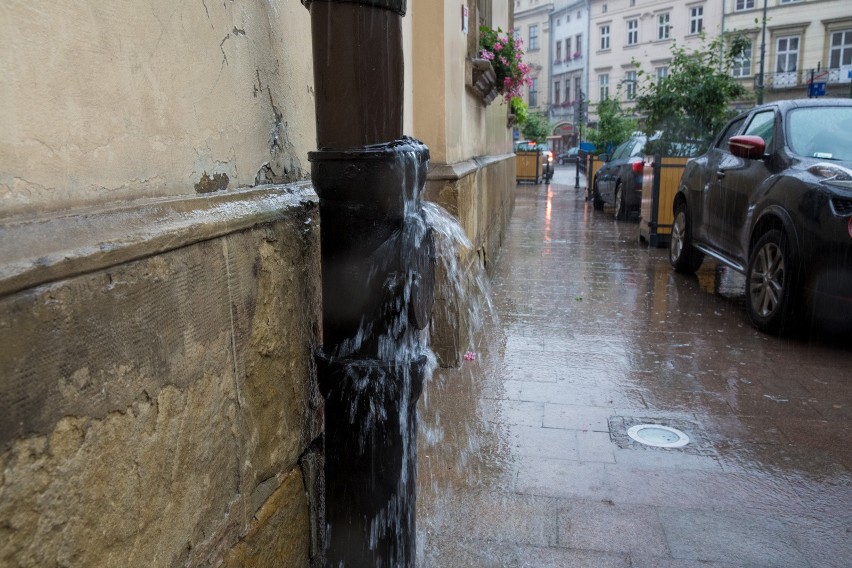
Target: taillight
pixel 849 227
pixel 637 167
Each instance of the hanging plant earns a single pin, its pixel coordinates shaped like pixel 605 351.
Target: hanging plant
pixel 506 55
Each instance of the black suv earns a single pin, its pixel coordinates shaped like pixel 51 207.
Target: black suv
pixel 772 198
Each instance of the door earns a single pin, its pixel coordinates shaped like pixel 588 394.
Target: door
pixel 740 180
pixel 709 207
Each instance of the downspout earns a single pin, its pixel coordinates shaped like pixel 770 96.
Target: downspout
pixel 377 281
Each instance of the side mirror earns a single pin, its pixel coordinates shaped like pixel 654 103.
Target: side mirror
pixel 748 147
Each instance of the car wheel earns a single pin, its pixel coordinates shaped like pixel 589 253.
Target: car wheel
pixel 620 207
pixel 684 257
pixel 597 202
pixel 770 278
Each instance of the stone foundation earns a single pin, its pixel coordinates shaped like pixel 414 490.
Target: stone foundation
pixel 158 404
pixel 480 193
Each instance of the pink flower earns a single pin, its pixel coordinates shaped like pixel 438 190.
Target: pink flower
pixel 503 60
pixel 487 55
pixel 504 40
pixel 498 46
pixel 469 356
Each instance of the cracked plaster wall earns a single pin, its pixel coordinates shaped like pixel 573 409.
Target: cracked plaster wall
pixel 105 101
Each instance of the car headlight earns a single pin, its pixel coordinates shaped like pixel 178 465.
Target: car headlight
pixel 832 173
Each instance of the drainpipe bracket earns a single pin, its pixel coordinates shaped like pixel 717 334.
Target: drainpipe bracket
pixel 397 6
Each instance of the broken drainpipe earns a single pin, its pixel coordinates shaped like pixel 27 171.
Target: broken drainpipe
pixel 378 258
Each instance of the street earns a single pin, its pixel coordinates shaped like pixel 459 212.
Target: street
pixel 524 455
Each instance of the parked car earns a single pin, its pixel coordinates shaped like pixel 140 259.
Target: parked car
pixel 569 156
pixel 618 182
pixel 772 198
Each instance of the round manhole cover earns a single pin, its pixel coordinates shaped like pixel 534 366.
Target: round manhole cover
pixel 658 436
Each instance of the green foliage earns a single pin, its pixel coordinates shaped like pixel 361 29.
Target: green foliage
pixel 506 55
pixel 690 105
pixel 614 127
pixel 520 110
pixel 536 127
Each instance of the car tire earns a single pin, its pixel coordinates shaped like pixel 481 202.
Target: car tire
pixel 620 206
pixel 683 256
pixel 597 202
pixel 770 283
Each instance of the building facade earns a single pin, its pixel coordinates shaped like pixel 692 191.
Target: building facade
pixel 801 41
pixel 569 27
pixel 532 24
pixel 623 33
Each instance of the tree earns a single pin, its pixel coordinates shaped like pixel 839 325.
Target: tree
pixel 614 127
pixel 536 127
pixel 684 110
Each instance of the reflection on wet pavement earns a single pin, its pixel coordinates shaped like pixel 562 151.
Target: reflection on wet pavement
pixel 518 463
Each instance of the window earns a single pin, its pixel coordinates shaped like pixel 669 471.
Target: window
pixel 661 72
pixel 533 43
pixel 742 63
pixel 534 93
pixel 630 84
pixel 763 125
pixel 558 21
pixel 744 5
pixel 696 20
pixel 556 93
pixel 663 26
pixel 731 131
pixel 841 49
pixel 568 48
pixel 603 80
pixel 603 9
pixel 787 54
pixel 579 43
pixel 558 51
pixel 632 3
pixel 604 37
pixel 567 90
pixel 577 89
pixel 632 32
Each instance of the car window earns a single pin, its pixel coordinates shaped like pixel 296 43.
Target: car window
pixel 637 148
pixel 732 130
pixel 762 124
pixel 623 150
pixel 821 132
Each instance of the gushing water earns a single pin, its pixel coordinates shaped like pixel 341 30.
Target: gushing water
pixel 373 378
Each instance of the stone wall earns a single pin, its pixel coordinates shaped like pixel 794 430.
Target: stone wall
pixel 480 193
pixel 157 396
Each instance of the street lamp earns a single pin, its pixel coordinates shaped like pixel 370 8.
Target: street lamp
pixel 760 77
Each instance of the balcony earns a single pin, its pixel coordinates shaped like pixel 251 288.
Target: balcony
pixel 801 78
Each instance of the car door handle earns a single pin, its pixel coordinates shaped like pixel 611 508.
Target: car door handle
pixel 720 174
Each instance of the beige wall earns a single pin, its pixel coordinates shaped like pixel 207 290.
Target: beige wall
pixel 158 404
pixel 650 52
pixel 104 101
pixel 472 170
pixel 813 22
pixel 450 119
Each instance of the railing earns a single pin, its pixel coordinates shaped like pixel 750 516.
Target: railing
pixel 800 78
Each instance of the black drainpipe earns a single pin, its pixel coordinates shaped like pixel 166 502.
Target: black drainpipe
pixel 377 281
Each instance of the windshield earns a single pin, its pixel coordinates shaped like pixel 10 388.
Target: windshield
pixel 821 132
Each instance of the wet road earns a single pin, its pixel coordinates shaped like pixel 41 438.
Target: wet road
pixel 524 459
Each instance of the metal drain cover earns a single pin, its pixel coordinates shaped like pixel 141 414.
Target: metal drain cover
pixel 658 436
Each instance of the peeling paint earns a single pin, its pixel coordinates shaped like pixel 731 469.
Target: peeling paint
pixel 209 184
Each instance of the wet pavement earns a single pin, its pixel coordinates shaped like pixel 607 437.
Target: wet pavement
pixel 524 457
